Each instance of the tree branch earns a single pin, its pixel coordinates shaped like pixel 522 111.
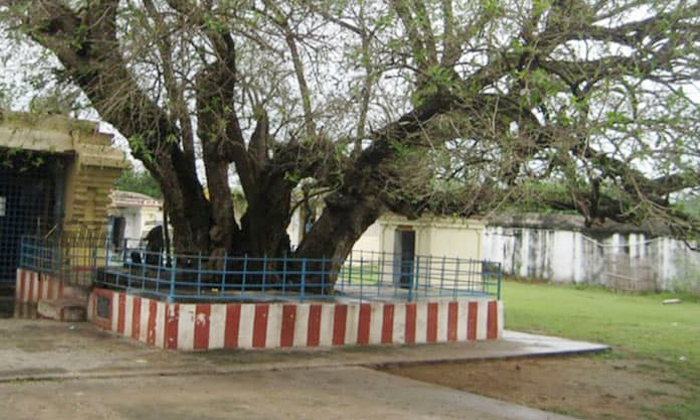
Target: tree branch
pixel 289 37
pixel 175 91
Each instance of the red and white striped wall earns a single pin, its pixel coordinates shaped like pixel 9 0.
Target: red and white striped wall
pixel 31 287
pixel 271 325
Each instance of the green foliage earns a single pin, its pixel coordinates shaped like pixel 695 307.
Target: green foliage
pixel 690 206
pixel 140 149
pixel 532 196
pixel 140 182
pixel 21 160
pixel 56 101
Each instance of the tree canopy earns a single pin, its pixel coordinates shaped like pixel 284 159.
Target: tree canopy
pixel 140 182
pixel 449 106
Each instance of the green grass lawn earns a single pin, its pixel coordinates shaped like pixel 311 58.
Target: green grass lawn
pixel 366 274
pixel 638 326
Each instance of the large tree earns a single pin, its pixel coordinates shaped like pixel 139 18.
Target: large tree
pixel 452 106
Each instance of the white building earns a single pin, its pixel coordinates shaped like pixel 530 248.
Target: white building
pixel 132 216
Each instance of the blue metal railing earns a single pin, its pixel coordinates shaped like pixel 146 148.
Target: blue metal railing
pixel 40 256
pixel 74 259
pixel 363 276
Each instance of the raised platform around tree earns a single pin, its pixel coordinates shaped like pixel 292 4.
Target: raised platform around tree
pixel 208 326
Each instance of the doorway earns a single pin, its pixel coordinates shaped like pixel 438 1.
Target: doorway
pixel 118 229
pixel 404 256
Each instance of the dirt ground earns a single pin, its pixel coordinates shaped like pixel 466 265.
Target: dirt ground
pixel 594 388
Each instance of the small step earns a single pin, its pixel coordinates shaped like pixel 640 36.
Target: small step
pixel 64 310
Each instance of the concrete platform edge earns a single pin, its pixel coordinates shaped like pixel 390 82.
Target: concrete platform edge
pixel 573 348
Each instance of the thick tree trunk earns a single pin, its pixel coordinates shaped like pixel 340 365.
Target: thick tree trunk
pixel 265 223
pixel 187 207
pixel 341 224
pixel 332 237
pixel 348 213
pixel 224 230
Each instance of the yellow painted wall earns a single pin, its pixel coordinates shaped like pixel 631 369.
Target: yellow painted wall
pixel 435 236
pixel 442 238
pixel 87 199
pixel 455 240
pixel 370 240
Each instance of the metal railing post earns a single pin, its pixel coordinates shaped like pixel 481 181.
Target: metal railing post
pixel 498 290
pixel 417 279
pixel 382 264
pixel 245 273
pixel 264 271
pixel 199 274
pixel 223 275
pixel 349 271
pixel 128 279
pixel 302 289
pixel 323 275
pixel 362 277
pixel 379 275
pixel 160 265
pixel 57 263
pixel 457 276
pixel 284 274
pixel 173 279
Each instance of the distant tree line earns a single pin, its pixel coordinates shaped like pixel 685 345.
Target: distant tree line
pixel 138 181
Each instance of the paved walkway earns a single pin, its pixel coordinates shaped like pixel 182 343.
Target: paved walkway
pixel 121 379
pixel 37 349
pixel 343 393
